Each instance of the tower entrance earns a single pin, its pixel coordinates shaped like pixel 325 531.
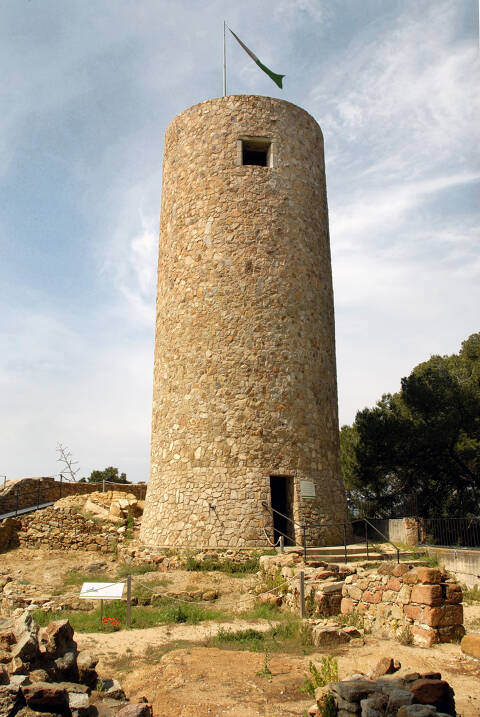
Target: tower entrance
pixel 281 498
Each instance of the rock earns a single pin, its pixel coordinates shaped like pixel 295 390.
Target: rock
pixel 139 709
pixel 79 704
pixel 5 656
pixel 27 712
pixel 7 639
pixel 39 676
pixel 417 711
pixel 326 636
pixel 108 707
pixel 353 690
pixel 11 699
pixel 434 692
pixel 113 690
pixel 210 595
pixel 374 706
pixel 18 667
pixel 398 698
pixel 19 680
pixel 385 666
pixel 429 575
pixel 25 648
pixel 352 707
pixel 470 645
pixel 56 639
pixel 45 696
pixel 4 679
pixel 86 664
pixel 66 666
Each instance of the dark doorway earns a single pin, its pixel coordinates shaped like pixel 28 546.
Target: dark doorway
pixel 281 494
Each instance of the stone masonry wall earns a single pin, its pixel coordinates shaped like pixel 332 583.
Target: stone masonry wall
pixel 58 529
pixel 26 492
pixel 393 597
pixel 244 369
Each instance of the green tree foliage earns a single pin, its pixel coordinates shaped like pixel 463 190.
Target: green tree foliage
pixel 423 441
pixel 109 474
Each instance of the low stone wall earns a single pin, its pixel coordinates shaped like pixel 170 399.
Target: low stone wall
pixel 59 529
pixel 421 603
pixel 398 530
pixel 464 563
pixel 8 534
pixel 27 492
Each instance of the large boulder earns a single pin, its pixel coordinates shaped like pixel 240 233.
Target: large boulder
pixel 56 639
pixel 46 696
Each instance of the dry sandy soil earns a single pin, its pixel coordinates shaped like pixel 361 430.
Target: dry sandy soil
pixel 196 681
pixel 172 666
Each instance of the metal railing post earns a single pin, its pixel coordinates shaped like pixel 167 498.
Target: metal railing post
pixel 366 537
pixel 302 594
pixel 345 541
pixel 305 542
pixel 282 544
pixel 60 487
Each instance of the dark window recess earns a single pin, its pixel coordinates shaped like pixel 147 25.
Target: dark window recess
pixel 256 152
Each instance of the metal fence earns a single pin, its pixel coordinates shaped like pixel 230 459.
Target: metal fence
pixel 450 532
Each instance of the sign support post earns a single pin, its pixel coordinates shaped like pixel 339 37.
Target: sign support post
pixel 129 599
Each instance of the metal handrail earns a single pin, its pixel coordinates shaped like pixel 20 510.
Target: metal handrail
pixel 365 521
pixel 291 520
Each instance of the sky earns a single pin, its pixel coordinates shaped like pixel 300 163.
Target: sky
pixel 88 89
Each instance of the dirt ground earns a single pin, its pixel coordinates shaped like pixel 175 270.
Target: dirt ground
pixel 172 666
pixel 46 569
pixel 197 681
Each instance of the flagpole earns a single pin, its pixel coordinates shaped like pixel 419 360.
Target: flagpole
pixel 224 61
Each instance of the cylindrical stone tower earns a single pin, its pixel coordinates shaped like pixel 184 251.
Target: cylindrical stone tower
pixel 245 395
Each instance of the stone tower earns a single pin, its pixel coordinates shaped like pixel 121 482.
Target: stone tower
pixel 245 395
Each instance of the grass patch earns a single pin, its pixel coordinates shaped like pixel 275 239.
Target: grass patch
pixel 77 577
pixel 471 594
pixel 125 569
pixel 228 566
pixel 262 611
pixel 164 612
pixel 288 635
pixel 250 640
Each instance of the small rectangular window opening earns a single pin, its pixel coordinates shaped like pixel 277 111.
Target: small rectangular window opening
pixel 256 152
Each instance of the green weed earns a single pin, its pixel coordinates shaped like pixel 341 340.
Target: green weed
pixel 228 566
pixel 265 671
pixel 320 676
pixel 471 594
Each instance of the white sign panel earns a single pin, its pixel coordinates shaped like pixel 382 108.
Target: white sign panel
pixel 307 489
pixel 102 591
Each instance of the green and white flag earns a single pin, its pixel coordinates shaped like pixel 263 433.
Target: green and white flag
pixel 273 75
